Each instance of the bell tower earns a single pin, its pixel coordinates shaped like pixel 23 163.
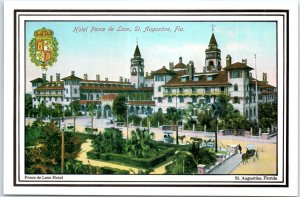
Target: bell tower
pixel 137 69
pixel 212 56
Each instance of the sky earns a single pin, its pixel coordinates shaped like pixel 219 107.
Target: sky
pixel 108 53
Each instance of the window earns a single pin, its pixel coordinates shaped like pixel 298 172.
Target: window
pixel 235 87
pixel 207 99
pixel 254 112
pixel 159 100
pixel 159 78
pixel 55 98
pixel 250 112
pixel 66 90
pixel 235 74
pixel 246 113
pixel 236 100
pixel 170 99
pixel 222 89
pixel 209 78
pixel 75 90
pixel 181 99
pixel 194 90
pixel 180 90
pixel 207 89
pixel 159 88
pixel 92 97
pixel 194 99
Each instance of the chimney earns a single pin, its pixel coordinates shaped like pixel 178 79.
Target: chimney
pixel 265 78
pixel 85 76
pixel 72 73
pixel 51 78
pixel 244 61
pixel 191 70
pixel 57 77
pixel 180 59
pixel 171 66
pixel 228 60
pixel 106 78
pixel 44 77
pixel 121 79
pixel 98 77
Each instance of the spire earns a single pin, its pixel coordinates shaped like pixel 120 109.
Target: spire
pixel 137 52
pixel 213 40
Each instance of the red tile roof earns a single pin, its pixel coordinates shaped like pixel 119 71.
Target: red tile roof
pixel 37 80
pixel 219 79
pixel 163 71
pixel 237 65
pixel 260 84
pixel 180 65
pixel 146 103
pixel 102 81
pixel 109 97
pixel 71 77
pixel 118 88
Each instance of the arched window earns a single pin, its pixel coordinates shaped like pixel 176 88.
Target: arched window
pixel 134 70
pixel 250 112
pixel 141 70
pixel 235 87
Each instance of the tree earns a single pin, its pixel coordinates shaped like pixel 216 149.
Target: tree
pixel 45 158
pixel 42 110
pixel 91 107
pixel 28 105
pixel 119 107
pixel 75 106
pixel 58 112
pixel 183 163
pixel 202 155
pixel 267 114
pixel 140 143
pixel 110 141
pixel 174 116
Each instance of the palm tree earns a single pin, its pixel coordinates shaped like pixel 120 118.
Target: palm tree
pixel 140 143
pixel 58 111
pixel 174 115
pixel 91 108
pixel 184 163
pixel 75 106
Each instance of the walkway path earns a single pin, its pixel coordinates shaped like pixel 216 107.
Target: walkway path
pixel 86 147
pixel 228 165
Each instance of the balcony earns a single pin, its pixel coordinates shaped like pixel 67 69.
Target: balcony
pixel 49 95
pixel 194 93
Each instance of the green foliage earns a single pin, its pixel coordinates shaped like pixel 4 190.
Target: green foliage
pixel 205 119
pixel 156 118
pixel 76 167
pixel 183 163
pixel 135 119
pixel 140 143
pixel 49 150
pixel 202 155
pixel 28 105
pixel 75 107
pixel 267 115
pixel 119 107
pixel 123 159
pixel 32 135
pixel 110 141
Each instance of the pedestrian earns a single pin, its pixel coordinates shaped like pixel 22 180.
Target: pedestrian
pixel 240 148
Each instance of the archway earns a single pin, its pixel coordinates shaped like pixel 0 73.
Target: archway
pixel 107 111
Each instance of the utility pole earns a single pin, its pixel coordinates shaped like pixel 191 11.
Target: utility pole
pixel 62 150
pixel 256 94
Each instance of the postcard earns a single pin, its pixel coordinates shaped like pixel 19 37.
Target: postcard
pixel 120 100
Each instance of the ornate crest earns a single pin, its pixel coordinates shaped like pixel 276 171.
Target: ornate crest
pixel 43 48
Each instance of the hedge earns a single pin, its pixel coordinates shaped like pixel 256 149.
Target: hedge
pixel 133 161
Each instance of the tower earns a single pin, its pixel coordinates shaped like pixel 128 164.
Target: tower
pixel 213 56
pixel 137 69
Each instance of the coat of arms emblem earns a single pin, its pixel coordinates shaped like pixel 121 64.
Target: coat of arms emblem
pixel 43 48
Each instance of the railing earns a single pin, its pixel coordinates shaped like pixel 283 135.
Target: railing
pixel 48 95
pixel 191 93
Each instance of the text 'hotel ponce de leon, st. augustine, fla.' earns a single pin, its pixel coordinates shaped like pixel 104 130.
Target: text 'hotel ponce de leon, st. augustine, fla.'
pixel 175 86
